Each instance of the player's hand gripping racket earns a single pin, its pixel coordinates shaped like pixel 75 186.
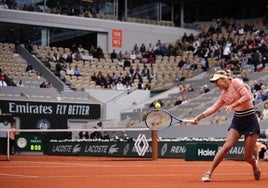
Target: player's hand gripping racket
pixel 159 119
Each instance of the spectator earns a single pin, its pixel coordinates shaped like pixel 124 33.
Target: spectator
pixel 43 85
pixel 178 101
pixel 70 71
pixel 20 83
pixel 120 85
pixel 137 75
pixel 124 136
pixel 83 134
pixel 147 86
pixel 255 59
pixel 261 94
pixel 127 87
pixel 180 77
pixel 190 88
pixel 113 55
pixel 77 71
pixel 100 80
pixel 133 56
pixel 29 68
pixel 181 63
pixel 2 81
pixel 204 64
pixel 58 68
pixel 95 134
pixel 106 136
pixel 49 85
pixel 142 48
pixel 29 46
pixel 265 111
pixel 38 74
pixel 182 89
pixel 127 63
pixel 11 82
pixel 244 77
pixel 114 136
pixel 204 89
pixel 84 56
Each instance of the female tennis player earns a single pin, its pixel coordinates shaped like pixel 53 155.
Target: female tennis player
pixel 235 96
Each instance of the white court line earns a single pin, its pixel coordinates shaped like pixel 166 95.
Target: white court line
pixel 75 165
pixel 19 175
pixel 135 164
pixel 120 175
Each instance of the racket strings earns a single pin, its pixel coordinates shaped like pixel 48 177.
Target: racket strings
pixel 158 120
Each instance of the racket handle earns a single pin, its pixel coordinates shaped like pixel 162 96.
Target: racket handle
pixel 188 121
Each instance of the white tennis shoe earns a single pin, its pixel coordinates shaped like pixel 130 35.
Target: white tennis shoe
pixel 206 177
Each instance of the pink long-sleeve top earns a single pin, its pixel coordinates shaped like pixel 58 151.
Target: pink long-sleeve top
pixel 237 92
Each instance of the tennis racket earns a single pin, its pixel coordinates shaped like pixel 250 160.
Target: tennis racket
pixel 159 119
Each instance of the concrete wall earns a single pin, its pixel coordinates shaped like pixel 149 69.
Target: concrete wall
pixel 131 32
pixel 115 102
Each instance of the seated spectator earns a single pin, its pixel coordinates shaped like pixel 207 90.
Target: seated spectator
pixel 265 111
pixel 2 81
pixel 124 136
pixel 83 134
pixel 127 63
pixel 95 134
pixel 114 136
pixel 180 77
pixel 132 56
pixel 190 88
pixel 151 59
pixel 38 74
pixel 261 94
pixel 70 70
pixel 244 77
pixel 204 64
pixel 20 83
pixel 127 87
pixel 77 71
pixel 49 85
pixel 120 85
pixel 29 68
pixel 113 55
pixel 204 89
pixel 90 58
pixel 147 86
pixel 43 85
pixel 84 56
pixel 179 100
pixel 182 89
pixel 58 68
pixel 181 63
pixel 106 136
pixel 100 80
pixel 11 82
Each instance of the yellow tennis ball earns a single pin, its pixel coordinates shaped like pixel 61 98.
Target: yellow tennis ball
pixel 157 105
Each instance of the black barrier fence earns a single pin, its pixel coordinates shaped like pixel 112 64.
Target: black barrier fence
pixel 166 149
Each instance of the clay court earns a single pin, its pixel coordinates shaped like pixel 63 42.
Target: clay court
pixel 97 172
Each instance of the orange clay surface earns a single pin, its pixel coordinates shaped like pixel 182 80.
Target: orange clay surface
pixel 41 171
